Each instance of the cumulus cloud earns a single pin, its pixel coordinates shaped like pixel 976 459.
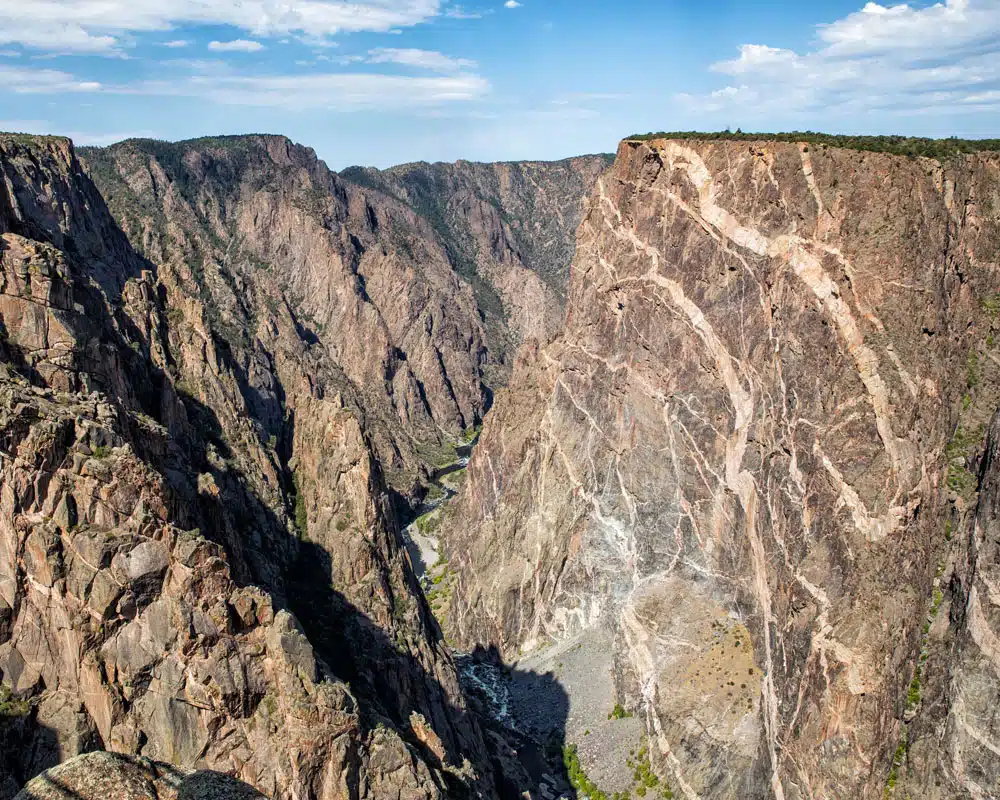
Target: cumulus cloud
pixel 176 43
pixel 236 46
pixel 755 56
pixel 512 4
pixel 103 25
pixel 421 59
pixel 896 58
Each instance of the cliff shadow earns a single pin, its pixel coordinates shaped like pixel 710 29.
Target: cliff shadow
pixel 391 683
pixel 501 694
pixel 390 670
pixel 27 747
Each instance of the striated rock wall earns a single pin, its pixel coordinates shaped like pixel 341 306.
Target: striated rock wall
pixel 198 559
pixel 747 455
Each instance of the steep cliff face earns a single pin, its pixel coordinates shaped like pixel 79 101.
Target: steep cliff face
pixel 509 228
pixel 180 498
pixel 747 458
pixel 245 225
pixel 398 294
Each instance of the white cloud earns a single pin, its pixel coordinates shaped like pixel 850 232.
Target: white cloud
pixel 9 53
pixel 43 81
pixel 105 25
pixel 177 43
pixel 897 59
pixel 458 12
pixel 236 46
pixel 336 91
pixel 219 83
pixel 756 56
pixel 512 4
pixel 422 59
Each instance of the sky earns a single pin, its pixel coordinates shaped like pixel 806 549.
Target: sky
pixel 382 82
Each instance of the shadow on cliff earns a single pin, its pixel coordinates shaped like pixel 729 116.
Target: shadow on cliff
pixel 391 671
pixel 26 748
pixel 526 712
pixel 395 684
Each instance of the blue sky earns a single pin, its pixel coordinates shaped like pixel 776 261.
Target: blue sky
pixel 388 81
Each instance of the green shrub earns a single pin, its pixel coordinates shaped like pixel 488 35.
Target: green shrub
pixel 897 761
pixel 991 305
pixel 618 712
pixel 913 693
pixel 577 775
pixel 961 447
pixel 972 370
pixel 10 706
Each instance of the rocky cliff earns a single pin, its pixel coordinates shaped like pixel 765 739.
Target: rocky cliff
pixel 198 559
pixel 745 482
pixel 404 280
pixel 508 228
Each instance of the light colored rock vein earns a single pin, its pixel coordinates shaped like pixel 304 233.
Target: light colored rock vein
pixel 738 480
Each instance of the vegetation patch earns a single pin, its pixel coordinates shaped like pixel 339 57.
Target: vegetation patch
pixel 438 454
pixel 645 783
pixel 991 305
pixel 470 434
pixel 894 145
pixel 10 706
pixel 434 494
pixel 645 780
pixel 427 524
pixel 958 451
pixel 897 762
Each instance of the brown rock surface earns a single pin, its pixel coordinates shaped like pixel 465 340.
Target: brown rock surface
pixel 508 228
pixel 394 279
pixel 746 456
pixel 196 547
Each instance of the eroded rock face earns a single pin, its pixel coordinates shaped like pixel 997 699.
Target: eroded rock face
pixel 510 228
pixel 198 563
pixel 405 282
pixel 741 457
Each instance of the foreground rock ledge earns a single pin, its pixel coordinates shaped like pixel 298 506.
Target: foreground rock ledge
pixel 110 776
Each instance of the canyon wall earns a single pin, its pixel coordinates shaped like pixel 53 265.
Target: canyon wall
pixel 509 227
pixel 754 458
pixel 199 562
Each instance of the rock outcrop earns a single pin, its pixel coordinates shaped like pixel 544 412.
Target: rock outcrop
pixel 750 457
pixel 508 228
pixel 111 776
pixel 198 559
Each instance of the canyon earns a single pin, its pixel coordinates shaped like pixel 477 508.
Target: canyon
pixel 672 474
